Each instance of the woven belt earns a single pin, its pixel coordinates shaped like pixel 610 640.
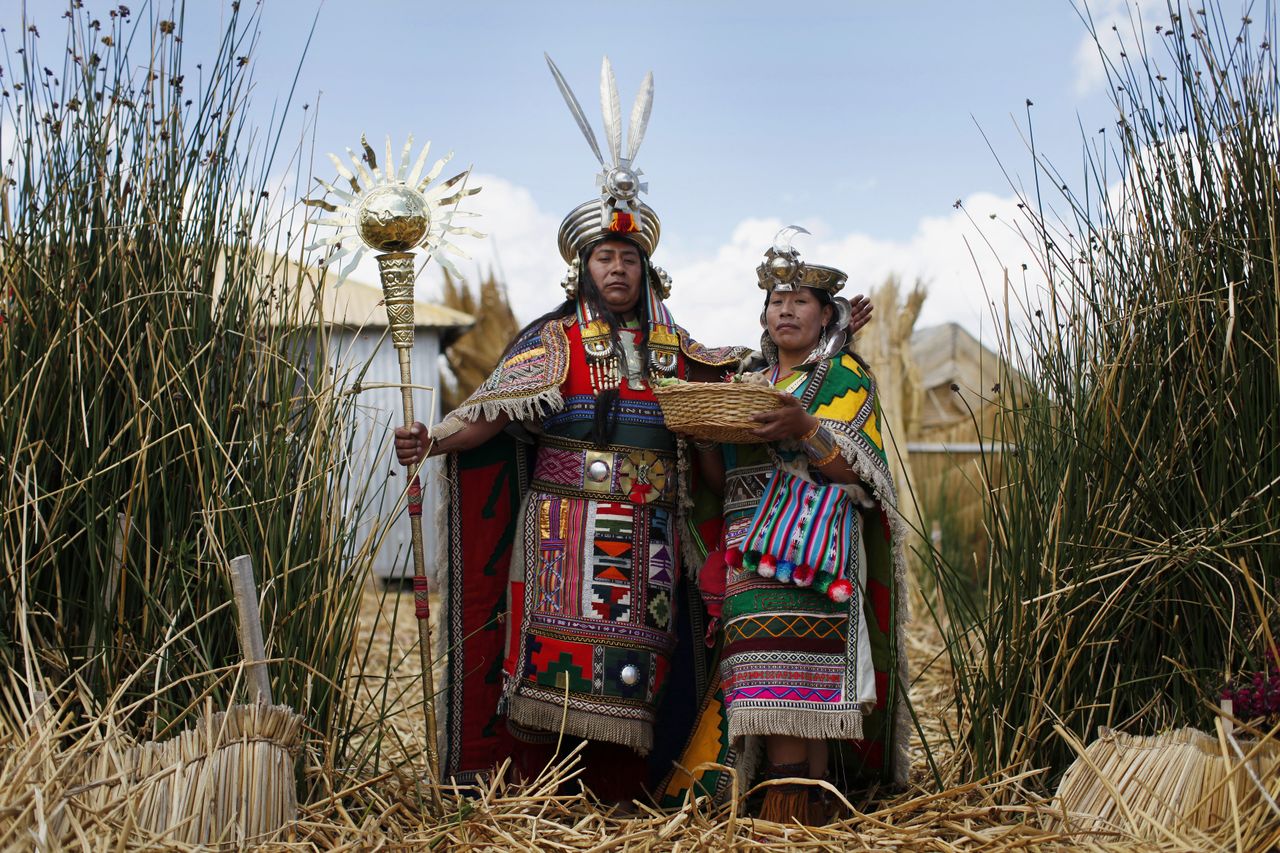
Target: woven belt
pixel 579 469
pixel 744 487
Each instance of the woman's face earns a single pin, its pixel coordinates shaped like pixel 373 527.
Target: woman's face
pixel 795 319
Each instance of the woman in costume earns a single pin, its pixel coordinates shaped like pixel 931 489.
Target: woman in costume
pixel 812 609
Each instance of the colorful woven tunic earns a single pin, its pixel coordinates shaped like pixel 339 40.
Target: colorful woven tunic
pixel 795 662
pixel 563 559
pixel 594 571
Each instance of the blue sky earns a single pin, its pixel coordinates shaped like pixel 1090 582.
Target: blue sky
pixel 862 120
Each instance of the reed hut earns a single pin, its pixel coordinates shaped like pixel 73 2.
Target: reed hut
pixel 957 399
pixel 947 355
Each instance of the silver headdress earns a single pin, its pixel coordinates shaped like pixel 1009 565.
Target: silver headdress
pixel 619 209
pixel 782 270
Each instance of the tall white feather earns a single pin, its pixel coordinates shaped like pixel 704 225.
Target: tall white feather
pixel 575 108
pixel 611 108
pixel 640 116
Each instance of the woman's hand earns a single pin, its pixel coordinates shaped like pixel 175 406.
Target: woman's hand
pixel 790 420
pixel 860 314
pixel 411 444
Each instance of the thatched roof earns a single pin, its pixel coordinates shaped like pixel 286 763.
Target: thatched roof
pixel 949 355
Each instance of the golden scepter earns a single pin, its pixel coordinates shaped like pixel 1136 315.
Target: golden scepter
pixel 394 212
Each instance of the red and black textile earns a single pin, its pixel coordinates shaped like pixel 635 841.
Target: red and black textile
pixel 485 488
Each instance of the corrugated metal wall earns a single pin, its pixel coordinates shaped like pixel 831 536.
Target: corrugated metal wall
pixel 379 412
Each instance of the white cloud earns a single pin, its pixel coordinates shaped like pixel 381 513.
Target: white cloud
pixel 1120 25
pixel 718 300
pixel 715 295
pixel 520 246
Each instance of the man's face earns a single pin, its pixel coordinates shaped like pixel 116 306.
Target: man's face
pixel 617 269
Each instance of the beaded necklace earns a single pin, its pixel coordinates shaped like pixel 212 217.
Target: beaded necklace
pixel 608 361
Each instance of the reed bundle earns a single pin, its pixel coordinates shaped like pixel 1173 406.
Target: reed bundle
pixel 228 780
pixel 1180 783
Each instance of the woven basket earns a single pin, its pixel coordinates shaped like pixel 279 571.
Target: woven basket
pixel 716 411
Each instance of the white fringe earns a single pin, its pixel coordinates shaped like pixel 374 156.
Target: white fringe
pixel 527 408
pixel 548 716
pixel 811 724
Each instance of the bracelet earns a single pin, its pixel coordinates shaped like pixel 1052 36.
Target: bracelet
pixel 817 426
pixel 703 444
pixel 821 447
pixel 819 463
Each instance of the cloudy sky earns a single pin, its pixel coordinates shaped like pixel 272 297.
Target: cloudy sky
pixel 864 121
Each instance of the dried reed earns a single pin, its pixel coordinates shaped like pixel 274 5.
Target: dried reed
pixel 1135 534
pixel 130 386
pixel 1183 783
pixel 228 780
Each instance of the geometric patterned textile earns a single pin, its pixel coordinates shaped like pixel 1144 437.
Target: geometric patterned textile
pixel 791 662
pixel 790 625
pixel 795 662
pixel 548 591
pixel 805 523
pixel 595 567
pixel 595 624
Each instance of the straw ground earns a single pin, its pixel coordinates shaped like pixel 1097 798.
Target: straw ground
pixel 132 387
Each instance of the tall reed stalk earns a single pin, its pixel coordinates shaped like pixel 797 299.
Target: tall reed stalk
pixel 1136 541
pixel 155 366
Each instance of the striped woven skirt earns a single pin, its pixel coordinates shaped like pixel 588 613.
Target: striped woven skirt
pixel 795 662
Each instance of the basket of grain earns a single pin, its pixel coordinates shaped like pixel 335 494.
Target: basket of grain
pixel 716 411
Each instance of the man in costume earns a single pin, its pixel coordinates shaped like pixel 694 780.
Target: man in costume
pixel 567 606
pixel 564 589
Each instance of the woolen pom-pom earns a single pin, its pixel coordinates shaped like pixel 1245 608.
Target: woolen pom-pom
pixel 751 559
pixel 786 569
pixel 733 558
pixel 840 591
pixel 767 566
pixel 823 582
pixel 804 575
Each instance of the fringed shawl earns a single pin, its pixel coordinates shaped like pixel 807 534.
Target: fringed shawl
pixel 526 385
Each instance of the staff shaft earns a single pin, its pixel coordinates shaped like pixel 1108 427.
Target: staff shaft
pixel 396 269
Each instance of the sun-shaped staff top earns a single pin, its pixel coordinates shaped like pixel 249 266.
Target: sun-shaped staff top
pixel 391 209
